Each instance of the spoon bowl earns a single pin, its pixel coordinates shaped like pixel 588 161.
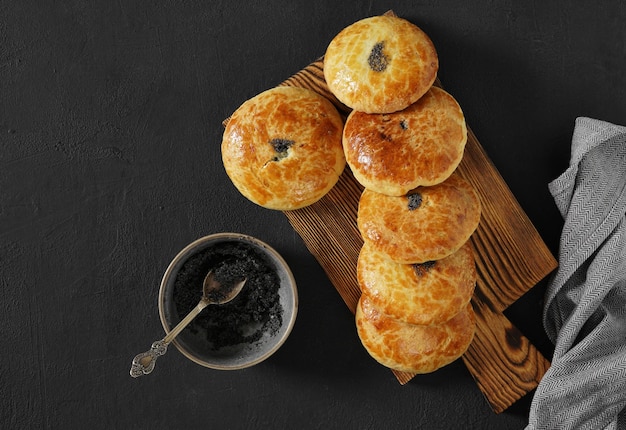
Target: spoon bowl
pixel 217 294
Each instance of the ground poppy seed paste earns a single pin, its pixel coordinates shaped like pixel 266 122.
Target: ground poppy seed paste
pixel 255 311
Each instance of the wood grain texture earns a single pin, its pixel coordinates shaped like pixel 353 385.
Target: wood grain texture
pixel 511 258
pixel 503 362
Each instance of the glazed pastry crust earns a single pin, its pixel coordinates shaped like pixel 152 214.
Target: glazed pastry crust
pixel 380 64
pixel 282 148
pixel 443 218
pixel 410 347
pixel 426 294
pixel 420 145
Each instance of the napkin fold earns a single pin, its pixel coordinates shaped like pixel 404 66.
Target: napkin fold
pixel 585 303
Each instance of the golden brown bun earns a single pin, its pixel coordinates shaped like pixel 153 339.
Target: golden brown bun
pixel 411 347
pixel 397 152
pixel 429 293
pixel 380 64
pixel 282 148
pixel 429 223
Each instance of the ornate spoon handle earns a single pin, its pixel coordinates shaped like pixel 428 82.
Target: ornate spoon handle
pixel 144 363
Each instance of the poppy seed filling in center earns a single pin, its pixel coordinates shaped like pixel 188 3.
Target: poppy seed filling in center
pixel 422 268
pixel 281 146
pixel 377 59
pixel 414 201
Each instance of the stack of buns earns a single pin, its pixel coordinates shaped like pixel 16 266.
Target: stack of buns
pixel 403 141
pixel 285 148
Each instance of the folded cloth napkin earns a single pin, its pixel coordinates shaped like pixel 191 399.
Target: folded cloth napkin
pixel 585 304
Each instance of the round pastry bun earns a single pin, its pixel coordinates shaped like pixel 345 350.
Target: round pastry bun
pixel 413 348
pixel 380 64
pixel 427 293
pixel 429 223
pixel 397 152
pixel 282 148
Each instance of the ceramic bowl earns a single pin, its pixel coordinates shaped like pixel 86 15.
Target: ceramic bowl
pixel 259 339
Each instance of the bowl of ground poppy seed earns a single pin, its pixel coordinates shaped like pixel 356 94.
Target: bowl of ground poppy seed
pixel 244 331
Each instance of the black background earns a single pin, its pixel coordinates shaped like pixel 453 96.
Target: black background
pixel 110 126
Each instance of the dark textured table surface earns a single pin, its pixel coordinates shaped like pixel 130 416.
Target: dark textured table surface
pixel 110 126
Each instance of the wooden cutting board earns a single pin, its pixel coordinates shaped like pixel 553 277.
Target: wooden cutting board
pixel 510 255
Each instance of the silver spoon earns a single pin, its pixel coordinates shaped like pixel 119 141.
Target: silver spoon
pixel 212 293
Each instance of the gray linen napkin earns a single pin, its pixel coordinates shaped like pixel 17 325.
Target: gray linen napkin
pixel 585 307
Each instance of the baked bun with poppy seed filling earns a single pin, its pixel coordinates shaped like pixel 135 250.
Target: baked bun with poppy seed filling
pixel 380 64
pixel 429 223
pixel 428 293
pixel 397 152
pixel 282 148
pixel 413 348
